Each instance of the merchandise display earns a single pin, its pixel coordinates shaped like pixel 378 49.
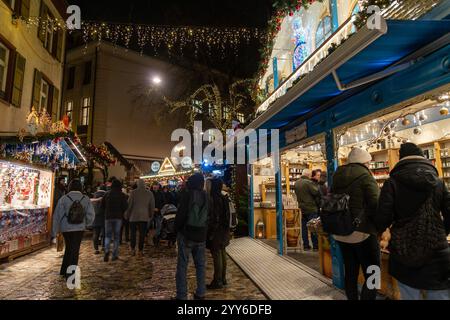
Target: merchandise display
pixel 25 198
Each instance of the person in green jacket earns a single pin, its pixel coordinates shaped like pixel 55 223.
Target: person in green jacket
pixel 359 249
pixel 308 197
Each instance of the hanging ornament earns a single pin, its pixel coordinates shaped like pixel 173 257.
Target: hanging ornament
pixel 399 140
pixel 406 122
pixel 444 110
pixel 392 125
pixel 423 117
pixel 417 131
pixel 404 141
pixel 387 130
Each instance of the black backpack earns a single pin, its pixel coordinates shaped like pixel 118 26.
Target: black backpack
pixel 76 214
pixel 197 217
pixel 415 239
pixel 336 215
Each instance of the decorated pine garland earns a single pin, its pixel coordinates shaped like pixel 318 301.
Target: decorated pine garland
pixel 364 14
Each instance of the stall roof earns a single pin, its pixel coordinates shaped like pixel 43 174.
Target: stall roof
pixel 402 39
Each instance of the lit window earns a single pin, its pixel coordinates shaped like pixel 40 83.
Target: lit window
pixel 43 101
pixel 197 107
pixel 240 117
pixel 4 61
pixel 323 31
pixel 69 109
pixel 85 109
pixel 11 3
pixel 226 113
pixel 48 41
pixel 212 110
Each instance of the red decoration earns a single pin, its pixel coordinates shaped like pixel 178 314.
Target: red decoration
pixel 66 121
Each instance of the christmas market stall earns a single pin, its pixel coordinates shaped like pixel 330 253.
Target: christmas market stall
pixel 28 163
pixel 374 88
pixel 169 174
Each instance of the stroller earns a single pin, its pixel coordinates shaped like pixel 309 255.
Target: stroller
pixel 165 225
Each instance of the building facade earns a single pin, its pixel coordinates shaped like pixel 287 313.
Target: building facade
pixel 31 60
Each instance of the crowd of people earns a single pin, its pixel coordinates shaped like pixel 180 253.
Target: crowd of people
pixel 410 214
pixel 203 221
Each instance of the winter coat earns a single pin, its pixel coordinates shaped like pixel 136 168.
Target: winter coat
pixel 141 204
pixel 219 223
pixel 308 195
pixel 60 223
pixel 357 181
pixel 410 184
pixel 159 199
pixel 114 204
pixel 99 220
pixel 187 198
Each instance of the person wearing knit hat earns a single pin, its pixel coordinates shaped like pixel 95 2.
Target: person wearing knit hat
pixel 360 156
pixel 410 150
pixel 360 248
pixel 416 203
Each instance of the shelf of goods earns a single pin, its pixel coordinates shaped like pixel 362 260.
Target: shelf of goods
pixel 25 215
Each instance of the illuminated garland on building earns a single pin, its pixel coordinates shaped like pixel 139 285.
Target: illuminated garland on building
pixel 283 8
pixel 168 37
pixel 363 15
pixel 100 155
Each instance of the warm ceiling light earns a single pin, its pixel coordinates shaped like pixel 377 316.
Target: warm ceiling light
pixel 157 80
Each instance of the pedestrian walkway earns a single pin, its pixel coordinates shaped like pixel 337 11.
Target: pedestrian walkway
pixel 36 277
pixel 280 278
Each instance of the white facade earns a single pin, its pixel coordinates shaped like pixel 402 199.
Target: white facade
pixel 29 65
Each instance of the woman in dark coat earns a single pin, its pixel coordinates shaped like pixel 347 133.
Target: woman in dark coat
pixel 98 226
pixel 218 232
pixel 412 182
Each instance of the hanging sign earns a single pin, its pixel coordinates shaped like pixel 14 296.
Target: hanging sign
pixel 167 167
pixel 156 166
pixel 186 163
pixel 296 134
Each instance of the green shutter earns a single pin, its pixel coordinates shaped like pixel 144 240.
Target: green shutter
pixel 19 73
pixel 37 88
pixel 42 15
pixel 60 43
pixel 55 103
pixel 25 8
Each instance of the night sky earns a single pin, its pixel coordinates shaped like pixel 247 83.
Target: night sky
pixel 248 13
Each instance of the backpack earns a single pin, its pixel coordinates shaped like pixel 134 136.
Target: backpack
pixel 415 239
pixel 76 214
pixel 197 218
pixel 336 215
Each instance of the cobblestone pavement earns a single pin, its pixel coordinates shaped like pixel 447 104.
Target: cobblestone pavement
pixel 36 277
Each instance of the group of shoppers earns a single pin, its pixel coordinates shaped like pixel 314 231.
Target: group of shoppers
pixel 202 222
pixel 414 204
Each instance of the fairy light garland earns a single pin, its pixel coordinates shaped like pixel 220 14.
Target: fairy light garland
pixel 223 39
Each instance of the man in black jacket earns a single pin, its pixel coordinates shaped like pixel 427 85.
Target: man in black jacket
pixel 191 224
pixel 114 204
pixel 414 182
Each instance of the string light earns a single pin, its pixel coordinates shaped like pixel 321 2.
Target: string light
pixel 224 39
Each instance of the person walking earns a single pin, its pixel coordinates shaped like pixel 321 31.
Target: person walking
pixel 60 191
pixel 114 204
pixel 359 249
pixel 98 226
pixel 73 213
pixel 218 233
pixel 308 197
pixel 415 205
pixel 141 207
pixel 191 224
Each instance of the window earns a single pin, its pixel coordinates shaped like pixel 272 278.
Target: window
pixel 240 117
pixel 11 3
pixel 4 63
pixel 324 31
pixel 226 112
pixel 211 110
pixel 69 109
pixel 71 78
pixel 87 72
pixel 197 107
pixel 48 40
pixel 85 107
pixel 43 101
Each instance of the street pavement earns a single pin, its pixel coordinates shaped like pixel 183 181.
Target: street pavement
pixel 152 277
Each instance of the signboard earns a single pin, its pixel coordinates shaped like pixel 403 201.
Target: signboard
pixel 156 166
pixel 167 167
pixel 296 134
pixel 186 163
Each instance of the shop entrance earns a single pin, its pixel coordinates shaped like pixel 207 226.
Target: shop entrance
pixel 298 240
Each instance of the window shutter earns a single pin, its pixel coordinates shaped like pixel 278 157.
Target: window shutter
pixel 19 73
pixel 25 8
pixel 42 15
pixel 37 88
pixel 59 45
pixel 55 103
